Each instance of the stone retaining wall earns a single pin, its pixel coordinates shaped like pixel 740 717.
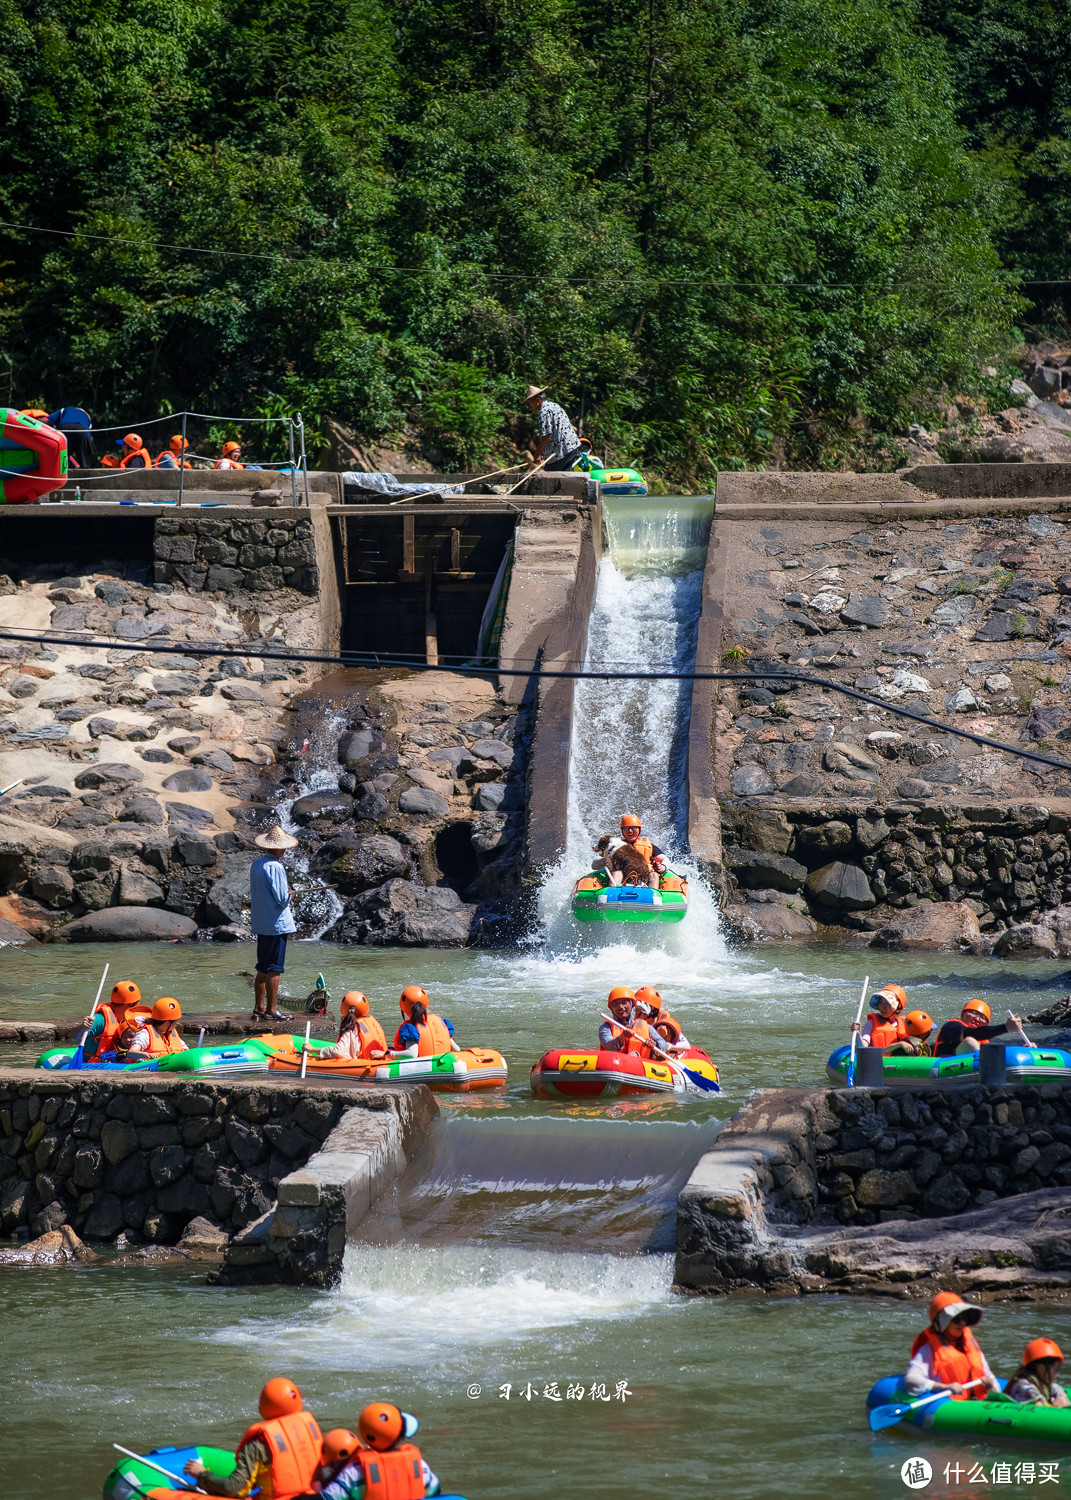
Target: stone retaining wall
pixel 795 1163
pixel 238 552
pixel 143 1156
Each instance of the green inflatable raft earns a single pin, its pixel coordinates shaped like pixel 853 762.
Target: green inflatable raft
pixel 594 899
pixel 997 1419
pixel 132 1478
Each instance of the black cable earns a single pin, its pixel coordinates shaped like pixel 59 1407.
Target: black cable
pixel 374 662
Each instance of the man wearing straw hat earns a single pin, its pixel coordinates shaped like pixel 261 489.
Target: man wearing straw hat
pixel 271 919
pixel 556 435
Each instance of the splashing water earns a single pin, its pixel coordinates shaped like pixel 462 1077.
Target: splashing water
pixel 630 739
pixel 317 910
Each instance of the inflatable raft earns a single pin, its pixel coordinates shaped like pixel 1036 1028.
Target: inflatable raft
pixel 565 1074
pixel 33 458
pixel 132 1479
pixel 1022 1064
pixel 997 1419
pixel 594 899
pixel 458 1072
pixel 243 1057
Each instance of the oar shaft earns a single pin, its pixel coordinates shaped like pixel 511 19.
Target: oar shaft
pixel 855 1034
pixel 176 1479
pixel 646 1040
pixel 305 1049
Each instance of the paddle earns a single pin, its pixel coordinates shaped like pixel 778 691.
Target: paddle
pixel 176 1479
pixel 79 1056
pixel 201 1036
pixel 855 1034
pixel 705 1085
pixel 305 1049
pixel 888 1416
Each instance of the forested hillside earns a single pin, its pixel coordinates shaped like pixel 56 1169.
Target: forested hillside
pixel 721 229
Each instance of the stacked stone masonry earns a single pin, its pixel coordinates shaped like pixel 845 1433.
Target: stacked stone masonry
pixel 247 552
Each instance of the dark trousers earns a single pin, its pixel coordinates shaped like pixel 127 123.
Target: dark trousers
pixel 563 461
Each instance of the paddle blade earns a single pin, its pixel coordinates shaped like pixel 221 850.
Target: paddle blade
pixel 886 1416
pixel 707 1085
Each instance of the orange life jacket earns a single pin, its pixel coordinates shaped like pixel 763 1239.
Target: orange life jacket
pixel 953 1365
pixel 884 1033
pixel 638 1043
pixel 373 1037
pixel 111 1033
pixel 295 1442
pixel 642 846
pixel 397 1475
pixel 160 1046
pixel 141 455
pixel 229 462
pixel 170 453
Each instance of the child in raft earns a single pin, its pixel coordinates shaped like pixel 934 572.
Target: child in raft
pixel 946 1356
pixel 1034 1382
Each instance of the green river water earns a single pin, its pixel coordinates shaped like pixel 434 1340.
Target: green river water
pixel 528 1247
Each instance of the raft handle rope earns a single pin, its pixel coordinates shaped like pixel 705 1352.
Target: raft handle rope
pixel 370 661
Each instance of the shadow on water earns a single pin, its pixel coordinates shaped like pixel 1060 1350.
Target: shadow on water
pixel 596 1185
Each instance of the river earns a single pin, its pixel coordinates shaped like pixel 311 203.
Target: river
pixel 526 1255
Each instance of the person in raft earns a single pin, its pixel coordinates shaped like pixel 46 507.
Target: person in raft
pixel 271 919
pixel 110 1021
pixel 360 1034
pixel 946 1356
pixel 635 859
pixel 1034 1382
pixel 887 1027
pixel 613 1036
pixel 650 1007
pixel 422 1033
pixel 376 1462
pixel 281 1453
pixel 157 1035
pixel 973 1028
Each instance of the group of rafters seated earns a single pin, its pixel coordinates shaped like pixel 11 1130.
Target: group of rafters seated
pixel 285 1454
pixel 630 859
pixel 641 1025
pixel 946 1357
pixel 127 1030
pixel 899 1032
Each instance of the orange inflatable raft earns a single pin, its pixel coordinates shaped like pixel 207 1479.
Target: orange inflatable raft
pixel 458 1072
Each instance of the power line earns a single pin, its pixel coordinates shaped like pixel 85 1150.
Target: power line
pixel 374 662
pixel 528 276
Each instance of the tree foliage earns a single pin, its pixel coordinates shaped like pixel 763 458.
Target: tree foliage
pixel 720 229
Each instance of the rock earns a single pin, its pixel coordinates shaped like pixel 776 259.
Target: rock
pixel 241 692
pixel 195 850
pixel 805 785
pixel 929 927
pixel 961 701
pixel 490 796
pixel 107 1218
pixel 1007 627
pixel 841 885
pixel 407 914
pixel 865 609
pixel 760 828
pixel 188 780
pixel 1026 940
pixel 751 781
pixel 185 812
pixel 1000 682
pixel 1056 1014
pixel 125 924
pixel 878 1189
pixel 420 799
pixel 370 861
pixel 758 871
pixel 14 936
pixel 182 744
pixel 215 760
pixel 58 1247
pixel 204 1239
pixel 320 805
pixel 177 684
pixel 257 755
pixel 53 885
pixel 112 592
pixel 768 923
pixel 228 897
pixel 112 775
pixel 359 743
pixel 1043 721
pixel 953 611
pixel 369 807
pixel 494 750
pixel 853 755
pixel 910 682
pixel 136 889
pixel 828 602
pixel 945 1195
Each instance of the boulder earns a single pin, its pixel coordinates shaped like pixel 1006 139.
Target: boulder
pixel 494 750
pixel 404 913
pixel 422 800
pixel 126 924
pixel 14 936
pixel 334 805
pixel 1007 627
pixel 768 923
pixel 929 927
pixel 111 775
pixel 865 609
pixel 880 1189
pixel 227 899
pixel 1026 940
pixel 841 885
pixel 759 828
pixel 136 888
pixel 370 861
pixel 215 760
pixel 757 871
pixel 188 780
pixel 56 1248
pixel 751 781
pixel 359 743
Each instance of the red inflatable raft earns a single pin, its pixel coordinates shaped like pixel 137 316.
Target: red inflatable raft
pixel 33 458
pixel 572 1074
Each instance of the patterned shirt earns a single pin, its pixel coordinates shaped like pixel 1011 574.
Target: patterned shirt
pixel 563 439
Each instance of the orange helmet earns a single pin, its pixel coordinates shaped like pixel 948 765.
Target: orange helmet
pixel 125 993
pixel 648 996
pixel 381 1425
pixel 167 1010
pixel 1042 1349
pixel 918 1023
pixel 338 1445
pixel 354 1000
pixel 279 1398
pixel 668 1030
pixel 893 993
pixel 948 1305
pixel 979 1006
pixel 630 820
pixel 132 440
pixel 232 447
pixel 620 992
pixel 178 442
pixel 410 996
